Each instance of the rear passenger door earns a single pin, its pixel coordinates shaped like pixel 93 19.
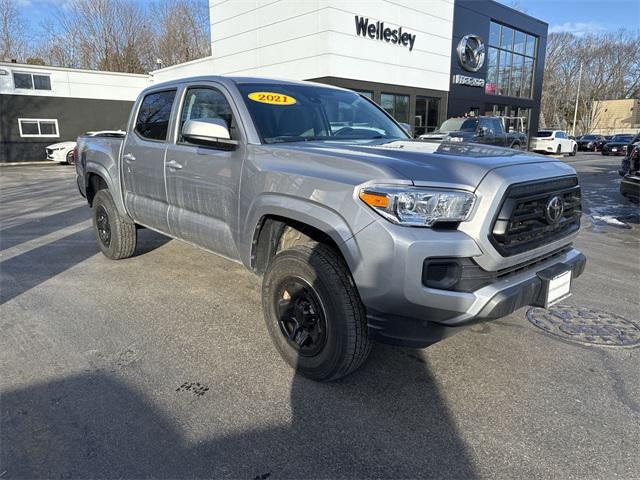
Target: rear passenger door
pixel 203 182
pixel 563 142
pixel 143 159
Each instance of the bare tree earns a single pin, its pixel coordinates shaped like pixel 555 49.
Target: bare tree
pixel 182 34
pixel 611 70
pixel 100 34
pixel 13 35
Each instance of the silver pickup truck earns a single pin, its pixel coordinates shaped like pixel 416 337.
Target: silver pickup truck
pixel 359 232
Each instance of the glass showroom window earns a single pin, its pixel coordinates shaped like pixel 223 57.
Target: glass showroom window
pixel 396 105
pixel 511 61
pixel 30 81
pixel 38 127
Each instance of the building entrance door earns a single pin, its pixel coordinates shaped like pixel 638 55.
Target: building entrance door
pixel 427 114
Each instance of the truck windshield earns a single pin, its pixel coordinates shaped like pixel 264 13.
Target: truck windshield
pixel 459 125
pixel 298 113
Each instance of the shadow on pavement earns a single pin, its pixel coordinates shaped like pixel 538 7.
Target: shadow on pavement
pixel 31 268
pixel 388 420
pixel 12 236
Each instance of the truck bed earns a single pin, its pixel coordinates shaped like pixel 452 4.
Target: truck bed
pixel 100 154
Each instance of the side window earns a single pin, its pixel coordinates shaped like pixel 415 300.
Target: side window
pixel 497 125
pixel 560 135
pixel 206 103
pixel 486 123
pixel 153 118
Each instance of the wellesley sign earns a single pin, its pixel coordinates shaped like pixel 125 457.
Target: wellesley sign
pixel 379 32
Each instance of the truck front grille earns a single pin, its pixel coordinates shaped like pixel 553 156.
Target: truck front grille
pixel 530 215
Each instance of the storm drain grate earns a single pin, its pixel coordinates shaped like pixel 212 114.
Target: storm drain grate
pixel 586 325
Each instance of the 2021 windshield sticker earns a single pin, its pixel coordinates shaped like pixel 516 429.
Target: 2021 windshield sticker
pixel 272 98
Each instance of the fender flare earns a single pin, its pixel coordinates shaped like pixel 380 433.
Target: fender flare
pixel 300 210
pixel 93 168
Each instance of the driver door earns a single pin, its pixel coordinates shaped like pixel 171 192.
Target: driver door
pixel 203 182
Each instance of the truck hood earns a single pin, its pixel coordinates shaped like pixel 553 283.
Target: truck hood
pixel 462 165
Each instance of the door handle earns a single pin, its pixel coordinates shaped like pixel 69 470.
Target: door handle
pixel 129 157
pixel 174 164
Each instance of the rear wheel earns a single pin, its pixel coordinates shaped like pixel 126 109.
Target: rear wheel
pixel 313 312
pixel 115 234
pixel 559 150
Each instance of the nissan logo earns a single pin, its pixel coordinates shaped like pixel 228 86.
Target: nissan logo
pixel 471 53
pixel 554 209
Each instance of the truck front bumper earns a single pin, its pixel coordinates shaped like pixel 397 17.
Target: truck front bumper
pixel 402 310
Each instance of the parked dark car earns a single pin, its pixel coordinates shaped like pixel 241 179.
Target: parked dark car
pixel 630 171
pixel 605 139
pixel 617 145
pixel 589 143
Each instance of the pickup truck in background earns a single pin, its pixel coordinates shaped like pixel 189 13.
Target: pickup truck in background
pixel 483 130
pixel 358 231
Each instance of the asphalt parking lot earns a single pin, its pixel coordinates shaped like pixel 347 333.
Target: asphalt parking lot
pixel 161 366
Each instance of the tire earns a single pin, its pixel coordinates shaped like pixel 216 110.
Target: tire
pixel 559 150
pixel 604 153
pixel 516 146
pixel 116 235
pixel 69 157
pixel 574 151
pixel 338 340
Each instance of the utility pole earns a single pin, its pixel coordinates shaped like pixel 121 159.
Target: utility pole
pixel 575 112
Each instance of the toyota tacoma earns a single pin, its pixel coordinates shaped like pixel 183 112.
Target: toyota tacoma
pixel 359 232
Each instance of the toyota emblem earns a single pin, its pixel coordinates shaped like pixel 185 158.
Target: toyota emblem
pixel 471 53
pixel 554 209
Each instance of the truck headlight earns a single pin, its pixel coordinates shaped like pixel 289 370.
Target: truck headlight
pixel 418 207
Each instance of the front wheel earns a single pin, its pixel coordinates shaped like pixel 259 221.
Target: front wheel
pixel 574 151
pixel 115 234
pixel 314 313
pixel 559 150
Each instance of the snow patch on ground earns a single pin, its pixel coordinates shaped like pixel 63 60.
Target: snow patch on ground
pixel 610 220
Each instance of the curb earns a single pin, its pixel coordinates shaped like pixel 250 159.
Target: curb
pixel 17 164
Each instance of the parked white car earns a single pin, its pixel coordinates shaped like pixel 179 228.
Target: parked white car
pixel 63 152
pixel 553 141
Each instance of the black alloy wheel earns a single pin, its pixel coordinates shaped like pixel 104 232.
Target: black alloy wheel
pixel 301 316
pixel 103 226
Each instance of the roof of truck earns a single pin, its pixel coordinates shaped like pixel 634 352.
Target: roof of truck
pixel 239 81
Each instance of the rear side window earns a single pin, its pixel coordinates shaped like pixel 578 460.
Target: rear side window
pixel 153 118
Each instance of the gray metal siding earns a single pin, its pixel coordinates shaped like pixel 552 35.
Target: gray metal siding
pixel 75 116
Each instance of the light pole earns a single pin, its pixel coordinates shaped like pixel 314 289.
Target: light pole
pixel 575 112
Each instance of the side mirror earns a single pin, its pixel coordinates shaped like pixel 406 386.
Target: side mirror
pixel 406 127
pixel 212 132
pixel 483 131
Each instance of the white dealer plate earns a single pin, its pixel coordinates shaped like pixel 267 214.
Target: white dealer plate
pixel 559 288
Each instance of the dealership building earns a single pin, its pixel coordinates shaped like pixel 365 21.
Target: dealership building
pixel 422 61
